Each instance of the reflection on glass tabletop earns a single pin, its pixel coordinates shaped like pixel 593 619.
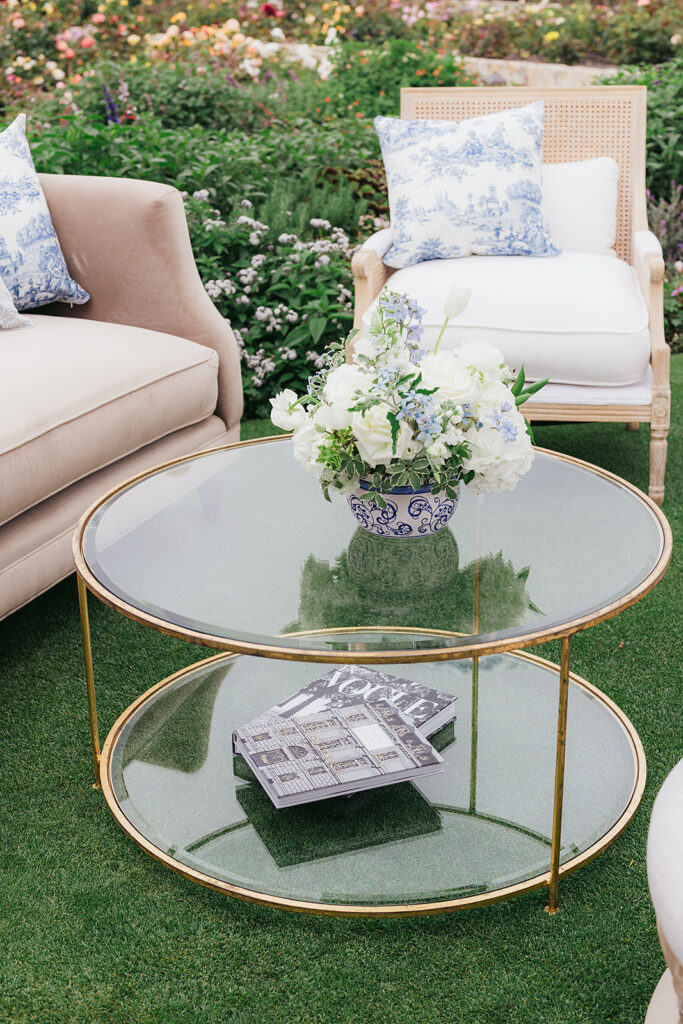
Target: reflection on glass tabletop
pixel 239 546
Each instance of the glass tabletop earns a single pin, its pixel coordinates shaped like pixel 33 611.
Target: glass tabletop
pixel 238 548
pixel 481 825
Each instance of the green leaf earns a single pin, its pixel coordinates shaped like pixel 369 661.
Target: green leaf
pixel 519 383
pixel 316 327
pixel 395 427
pixel 529 390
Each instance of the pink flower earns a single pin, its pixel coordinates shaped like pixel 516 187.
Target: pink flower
pixel 87 42
pixel 98 18
pixel 18 22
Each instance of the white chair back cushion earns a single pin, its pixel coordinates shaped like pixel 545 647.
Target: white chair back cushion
pixel 580 204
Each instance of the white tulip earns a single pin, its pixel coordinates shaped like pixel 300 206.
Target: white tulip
pixel 457 301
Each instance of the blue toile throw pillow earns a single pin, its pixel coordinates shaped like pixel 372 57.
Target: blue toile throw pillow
pixel 31 261
pixel 471 187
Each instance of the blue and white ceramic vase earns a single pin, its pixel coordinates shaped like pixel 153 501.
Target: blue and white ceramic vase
pixel 409 513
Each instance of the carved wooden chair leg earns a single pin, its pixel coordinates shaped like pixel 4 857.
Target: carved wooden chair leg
pixel 659 428
pixel 658 447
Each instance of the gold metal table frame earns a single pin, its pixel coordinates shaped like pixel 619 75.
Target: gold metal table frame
pixel 361 655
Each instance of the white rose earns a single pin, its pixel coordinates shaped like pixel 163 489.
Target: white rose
pixel 306 442
pixel 340 392
pixel 333 417
pixel 373 436
pixel 283 413
pixel 483 358
pixel 447 372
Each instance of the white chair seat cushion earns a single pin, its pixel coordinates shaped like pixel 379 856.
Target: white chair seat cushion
pixel 577 318
pixel 665 859
pixel 76 395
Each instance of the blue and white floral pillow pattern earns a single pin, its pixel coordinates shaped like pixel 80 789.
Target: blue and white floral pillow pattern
pixel 31 261
pixel 472 187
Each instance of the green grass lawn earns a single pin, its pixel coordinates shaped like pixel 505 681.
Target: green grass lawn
pixel 94 930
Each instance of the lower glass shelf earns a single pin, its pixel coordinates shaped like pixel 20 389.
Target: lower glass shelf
pixel 476 833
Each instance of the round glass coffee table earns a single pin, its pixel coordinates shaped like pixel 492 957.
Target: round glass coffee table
pixel 236 549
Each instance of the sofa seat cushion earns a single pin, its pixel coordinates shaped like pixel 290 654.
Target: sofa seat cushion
pixel 578 318
pixel 76 395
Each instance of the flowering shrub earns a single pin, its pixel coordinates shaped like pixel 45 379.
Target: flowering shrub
pixel 664 103
pixel 286 297
pixel 666 220
pixel 53 44
pixel 397 416
pixel 647 30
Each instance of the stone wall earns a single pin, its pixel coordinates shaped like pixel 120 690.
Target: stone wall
pixel 493 71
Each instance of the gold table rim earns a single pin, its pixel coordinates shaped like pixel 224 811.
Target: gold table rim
pixel 410 655
pixel 369 910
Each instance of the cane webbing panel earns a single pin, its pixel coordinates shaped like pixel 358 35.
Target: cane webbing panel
pixel 579 124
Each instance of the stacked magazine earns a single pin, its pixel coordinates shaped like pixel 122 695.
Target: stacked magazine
pixel 353 729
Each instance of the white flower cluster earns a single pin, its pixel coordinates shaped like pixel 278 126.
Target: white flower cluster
pixel 396 404
pixel 247 287
pixel 272 318
pixel 221 287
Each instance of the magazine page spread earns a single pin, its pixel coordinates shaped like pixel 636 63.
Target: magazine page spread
pixel 426 708
pixel 331 753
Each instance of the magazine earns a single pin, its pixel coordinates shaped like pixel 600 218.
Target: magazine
pixel 427 709
pixel 334 752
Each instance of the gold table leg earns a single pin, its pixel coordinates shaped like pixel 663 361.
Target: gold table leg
pixel 89 679
pixel 559 778
pixel 474 735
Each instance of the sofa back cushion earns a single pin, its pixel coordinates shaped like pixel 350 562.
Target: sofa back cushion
pixel 31 261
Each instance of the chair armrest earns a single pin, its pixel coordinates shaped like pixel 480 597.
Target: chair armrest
pixel 370 274
pixel 647 256
pixel 648 264
pixel 379 243
pixel 127 243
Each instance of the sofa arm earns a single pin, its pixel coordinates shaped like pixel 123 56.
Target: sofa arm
pixel 126 242
pixel 370 274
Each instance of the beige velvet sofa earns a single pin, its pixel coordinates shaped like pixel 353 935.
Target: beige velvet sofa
pixel 147 370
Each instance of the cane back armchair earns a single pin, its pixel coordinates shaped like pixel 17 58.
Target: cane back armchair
pixel 580 124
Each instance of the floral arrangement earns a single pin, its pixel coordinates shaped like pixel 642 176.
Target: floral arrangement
pixel 397 416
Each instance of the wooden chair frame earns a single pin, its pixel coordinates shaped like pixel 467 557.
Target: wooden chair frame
pixel 579 124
